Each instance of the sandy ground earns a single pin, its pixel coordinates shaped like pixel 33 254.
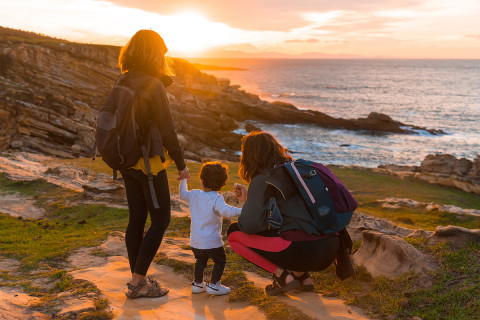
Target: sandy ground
pixel 110 275
pixel 179 303
pixel 17 205
pixel 14 305
pixel 313 304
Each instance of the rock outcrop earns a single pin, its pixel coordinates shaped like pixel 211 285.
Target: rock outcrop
pixel 361 222
pixel 385 252
pixel 391 256
pixel 51 90
pixel 455 236
pixel 443 169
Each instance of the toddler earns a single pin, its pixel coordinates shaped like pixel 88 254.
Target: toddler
pixel 207 207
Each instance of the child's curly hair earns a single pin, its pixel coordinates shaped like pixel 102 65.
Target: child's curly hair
pixel 214 175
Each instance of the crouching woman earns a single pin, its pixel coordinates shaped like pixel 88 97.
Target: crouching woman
pixel 293 248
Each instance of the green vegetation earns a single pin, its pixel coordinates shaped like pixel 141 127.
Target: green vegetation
pixel 51 240
pixel 367 187
pixel 43 245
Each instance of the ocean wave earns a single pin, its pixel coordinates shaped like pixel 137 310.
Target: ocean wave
pixel 241 131
pixel 293 95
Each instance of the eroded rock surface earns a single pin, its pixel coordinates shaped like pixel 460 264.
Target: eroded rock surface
pixel 361 222
pixel 395 203
pixel 14 305
pixel 18 205
pixel 391 256
pixel 457 237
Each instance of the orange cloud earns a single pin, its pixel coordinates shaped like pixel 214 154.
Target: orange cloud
pixel 311 40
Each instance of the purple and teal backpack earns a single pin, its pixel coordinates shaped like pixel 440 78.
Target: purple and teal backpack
pixel 329 202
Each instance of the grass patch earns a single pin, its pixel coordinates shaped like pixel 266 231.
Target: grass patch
pixel 368 186
pixel 26 188
pixel 52 240
pixel 179 227
pixel 418 218
pixel 456 292
pixel 454 295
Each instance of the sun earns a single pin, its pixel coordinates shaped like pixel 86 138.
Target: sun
pixel 191 32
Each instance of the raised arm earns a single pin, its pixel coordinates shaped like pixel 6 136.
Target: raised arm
pixel 184 193
pixel 224 209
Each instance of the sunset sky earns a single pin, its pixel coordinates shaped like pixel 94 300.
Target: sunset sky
pixel 196 28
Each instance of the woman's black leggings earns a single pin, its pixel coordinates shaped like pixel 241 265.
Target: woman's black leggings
pixel 271 251
pixel 142 249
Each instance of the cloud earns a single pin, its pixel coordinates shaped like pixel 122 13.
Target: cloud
pixel 311 40
pixel 474 36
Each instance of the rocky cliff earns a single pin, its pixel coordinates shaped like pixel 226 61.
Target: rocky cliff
pixel 51 90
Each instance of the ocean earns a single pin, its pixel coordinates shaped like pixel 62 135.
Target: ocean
pixel 440 94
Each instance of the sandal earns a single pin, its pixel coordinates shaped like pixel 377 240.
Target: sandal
pixel 304 287
pixel 155 290
pixel 279 285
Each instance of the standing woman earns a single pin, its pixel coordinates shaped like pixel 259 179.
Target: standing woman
pixel 145 70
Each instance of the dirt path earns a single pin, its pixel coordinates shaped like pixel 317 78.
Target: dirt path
pixel 110 274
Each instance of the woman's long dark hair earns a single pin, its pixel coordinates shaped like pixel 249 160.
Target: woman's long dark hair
pixel 260 151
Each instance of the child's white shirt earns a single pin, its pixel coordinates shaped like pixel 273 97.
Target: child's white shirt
pixel 206 211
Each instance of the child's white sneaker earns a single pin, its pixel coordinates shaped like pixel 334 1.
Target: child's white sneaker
pixel 217 289
pixel 199 287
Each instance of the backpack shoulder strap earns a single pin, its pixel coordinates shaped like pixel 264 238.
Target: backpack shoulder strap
pixel 146 159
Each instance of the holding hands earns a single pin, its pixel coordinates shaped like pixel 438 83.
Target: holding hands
pixel 240 192
pixel 184 174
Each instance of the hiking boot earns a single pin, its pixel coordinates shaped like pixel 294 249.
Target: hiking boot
pixel 198 287
pixel 217 289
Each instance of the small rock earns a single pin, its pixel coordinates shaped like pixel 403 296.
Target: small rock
pixel 76 148
pixel 16 144
pixel 250 127
pixel 457 237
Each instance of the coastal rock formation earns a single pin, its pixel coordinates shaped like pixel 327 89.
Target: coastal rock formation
pixel 51 90
pixel 391 256
pixel 361 222
pixel 395 203
pixel 446 164
pixel 442 169
pixel 457 237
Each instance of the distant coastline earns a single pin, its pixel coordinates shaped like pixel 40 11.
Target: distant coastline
pixel 202 67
